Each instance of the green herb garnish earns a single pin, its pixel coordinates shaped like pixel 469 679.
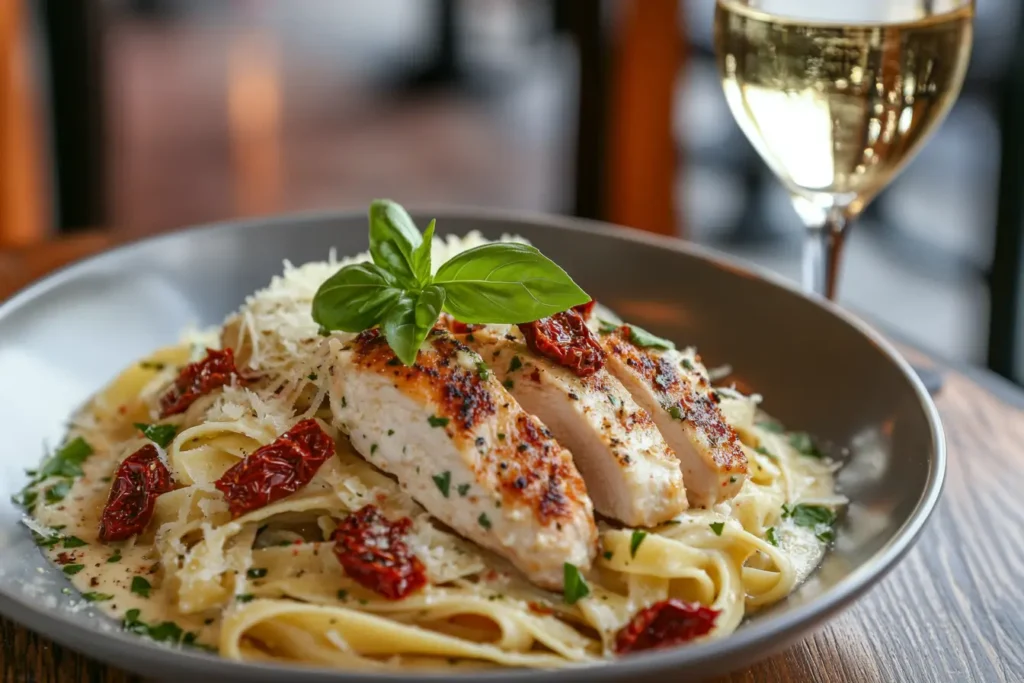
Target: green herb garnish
pixel 501 282
pixel 463 489
pixel 161 435
pixel 676 412
pixel 58 491
pixel 635 540
pixel 641 337
pixel 92 596
pixel 116 557
pixel 66 462
pixel 72 569
pixel 515 364
pixel 608 554
pixel 342 594
pixel 484 520
pixel 718 527
pixel 436 421
pixel 574 587
pixel 74 542
pixel 443 482
pixel 244 597
pixel 165 632
pixel 482 370
pixel 816 517
pixel 804 444
pixel 769 535
pixel 141 586
pixel 256 572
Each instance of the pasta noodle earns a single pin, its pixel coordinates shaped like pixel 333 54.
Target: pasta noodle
pixel 266 585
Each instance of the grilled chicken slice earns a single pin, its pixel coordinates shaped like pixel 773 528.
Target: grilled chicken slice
pixel 631 473
pixel 673 386
pixel 460 445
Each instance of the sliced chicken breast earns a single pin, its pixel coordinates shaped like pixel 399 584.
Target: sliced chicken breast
pixel 673 386
pixel 463 448
pixel 631 473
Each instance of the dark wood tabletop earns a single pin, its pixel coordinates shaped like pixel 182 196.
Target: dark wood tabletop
pixel 953 610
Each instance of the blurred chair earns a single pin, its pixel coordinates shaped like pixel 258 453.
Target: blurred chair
pixel 23 203
pixel 627 160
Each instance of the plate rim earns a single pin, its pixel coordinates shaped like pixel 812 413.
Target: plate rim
pixel 773 633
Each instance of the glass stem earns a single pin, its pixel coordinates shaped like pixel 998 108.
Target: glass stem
pixel 822 249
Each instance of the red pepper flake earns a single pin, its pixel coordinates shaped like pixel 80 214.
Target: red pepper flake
pixel 372 550
pixel 197 379
pixel 567 340
pixel 585 310
pixel 664 624
pixel 138 481
pixel 277 469
pixel 538 608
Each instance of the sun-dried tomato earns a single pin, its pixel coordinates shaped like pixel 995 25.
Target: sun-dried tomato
pixel 664 624
pixel 139 479
pixel 372 550
pixel 567 340
pixel 197 379
pixel 276 470
pixel 585 309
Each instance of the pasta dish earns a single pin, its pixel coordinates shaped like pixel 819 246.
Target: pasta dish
pixel 437 454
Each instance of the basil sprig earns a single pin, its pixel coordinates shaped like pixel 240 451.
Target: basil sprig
pixel 501 283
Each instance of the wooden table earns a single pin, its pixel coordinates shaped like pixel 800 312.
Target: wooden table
pixel 953 610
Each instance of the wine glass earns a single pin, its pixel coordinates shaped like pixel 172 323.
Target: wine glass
pixel 836 96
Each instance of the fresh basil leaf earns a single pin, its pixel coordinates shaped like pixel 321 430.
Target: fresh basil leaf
pixel 574 587
pixel 355 298
pixel 410 319
pixel 506 283
pixel 393 239
pixel 161 435
pixel 421 265
pixel 641 337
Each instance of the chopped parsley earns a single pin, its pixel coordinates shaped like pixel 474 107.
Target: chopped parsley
pixel 67 462
pixel 641 337
pixel 141 586
pixel 717 527
pixel 501 436
pixel 803 443
pixel 484 520
pixel 161 435
pixel 463 489
pixel 816 517
pixel 615 401
pixel 72 569
pixel 93 596
pixel 443 482
pixel 164 632
pixel 74 542
pixel 342 594
pixel 391 432
pixel 58 491
pixel 515 364
pixel 575 588
pixel 46 541
pixel 508 384
pixel 676 412
pixel 116 557
pixel 635 540
pixel 769 535
pixel 482 370
pixel 771 426
pixel 436 421
pixel 312 377
pixel 256 572
pixel 373 448
pixel 687 365
pixel 150 365
pixel 608 554
pixel 244 597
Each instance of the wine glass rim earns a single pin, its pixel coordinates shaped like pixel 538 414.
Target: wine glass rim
pixel 807 18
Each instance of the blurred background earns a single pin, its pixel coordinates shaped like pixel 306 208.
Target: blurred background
pixel 126 118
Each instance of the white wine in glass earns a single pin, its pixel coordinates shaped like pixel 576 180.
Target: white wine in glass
pixel 837 95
